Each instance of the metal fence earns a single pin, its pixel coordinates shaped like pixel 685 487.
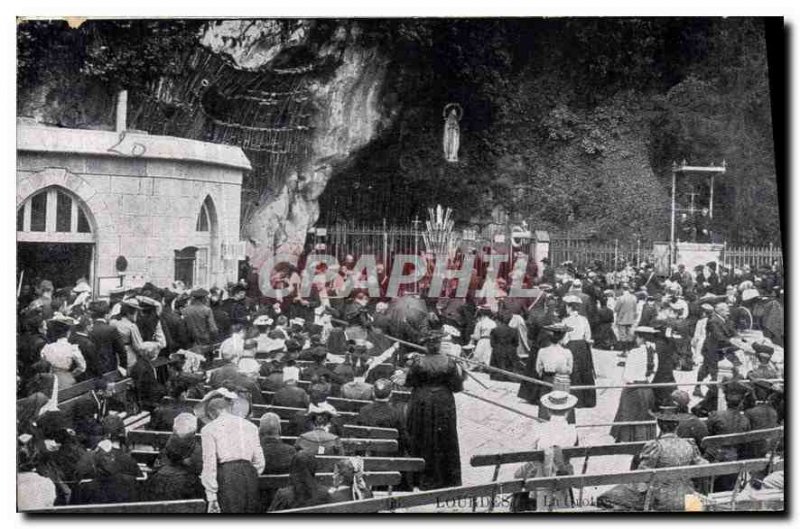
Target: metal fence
pixel 382 242
pixel 386 241
pixel 738 256
pixel 584 252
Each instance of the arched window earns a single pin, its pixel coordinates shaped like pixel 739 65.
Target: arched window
pixel 204 218
pixel 53 214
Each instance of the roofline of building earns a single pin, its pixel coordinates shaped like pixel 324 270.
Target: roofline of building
pixel 130 144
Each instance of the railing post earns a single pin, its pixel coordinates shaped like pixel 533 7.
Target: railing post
pixel 385 244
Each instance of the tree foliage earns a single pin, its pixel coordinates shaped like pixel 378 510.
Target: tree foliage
pixel 567 122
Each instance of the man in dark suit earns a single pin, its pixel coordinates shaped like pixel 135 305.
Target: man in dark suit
pixel 80 337
pixel 761 416
pixel 106 339
pixel 719 331
pixel 383 414
pixel 200 319
pixel 291 395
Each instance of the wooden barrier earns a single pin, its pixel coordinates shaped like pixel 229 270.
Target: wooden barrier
pixel 373 479
pixel 439 496
pixel 324 463
pixel 631 448
pixel 257 410
pixel 733 439
pixel 350 444
pixel 86 386
pixel 145 507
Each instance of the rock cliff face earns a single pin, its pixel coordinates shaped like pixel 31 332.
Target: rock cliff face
pixel 348 113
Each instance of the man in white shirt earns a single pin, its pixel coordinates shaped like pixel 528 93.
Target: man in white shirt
pixel 232 459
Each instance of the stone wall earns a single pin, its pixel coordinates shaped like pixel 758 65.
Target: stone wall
pixel 142 206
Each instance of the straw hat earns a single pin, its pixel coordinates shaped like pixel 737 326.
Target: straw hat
pixel 559 400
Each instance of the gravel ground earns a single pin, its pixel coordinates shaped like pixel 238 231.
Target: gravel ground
pixel 486 429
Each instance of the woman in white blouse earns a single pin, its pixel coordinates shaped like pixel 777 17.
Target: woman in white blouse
pixel 65 358
pixel 481 334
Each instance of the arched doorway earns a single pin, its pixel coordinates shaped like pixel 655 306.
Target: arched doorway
pixel 55 238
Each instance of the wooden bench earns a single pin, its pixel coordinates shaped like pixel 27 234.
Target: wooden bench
pixel 145 507
pixel 86 386
pixel 350 430
pixel 373 479
pixel 257 410
pixel 347 405
pixel 442 496
pixel 324 463
pixel 350 444
pixel 733 439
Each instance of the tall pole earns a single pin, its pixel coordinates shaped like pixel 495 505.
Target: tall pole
pixel 672 223
pixel 711 200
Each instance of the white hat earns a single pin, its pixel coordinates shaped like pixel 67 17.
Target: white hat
pixel 83 286
pixel 297 321
pixel 452 331
pixel 572 299
pixel 559 400
pixel 231 348
pixel 263 321
pixel 644 329
pixel 749 294
pixel 184 424
pixel 322 407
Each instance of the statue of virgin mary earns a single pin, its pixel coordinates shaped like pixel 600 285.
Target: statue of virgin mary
pixel 452 115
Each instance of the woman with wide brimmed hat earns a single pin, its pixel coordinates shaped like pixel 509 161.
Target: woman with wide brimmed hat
pixel 579 340
pixel 431 421
pixel 552 436
pixel 635 404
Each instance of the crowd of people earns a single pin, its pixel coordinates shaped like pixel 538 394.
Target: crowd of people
pixel 223 347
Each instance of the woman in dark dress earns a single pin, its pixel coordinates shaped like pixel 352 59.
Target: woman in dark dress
pixel 304 490
pixel 579 340
pixel 177 479
pixel 431 422
pixel 504 341
pixel 667 354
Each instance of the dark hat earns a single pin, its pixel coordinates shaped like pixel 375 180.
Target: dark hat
pixel 99 307
pixel 293 346
pixel 382 388
pixel 113 427
pixel 199 293
pixel 763 350
pixel 711 265
pixel 180 448
pixel 735 387
pixel 238 288
pixel 698 268
pixel 667 413
pixel 557 328
pixel 433 337
pixel 546 260
pixel 762 383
